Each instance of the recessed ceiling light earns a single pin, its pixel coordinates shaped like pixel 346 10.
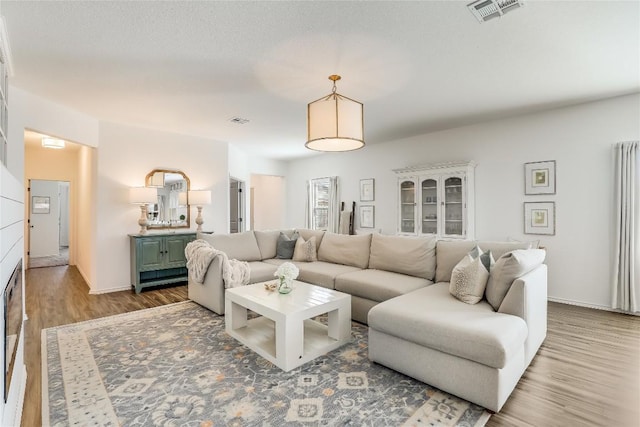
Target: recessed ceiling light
pixel 48 142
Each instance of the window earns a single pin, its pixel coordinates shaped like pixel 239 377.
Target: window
pixel 319 203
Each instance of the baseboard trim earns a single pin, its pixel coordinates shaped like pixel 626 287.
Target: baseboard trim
pixel 594 306
pixel 109 290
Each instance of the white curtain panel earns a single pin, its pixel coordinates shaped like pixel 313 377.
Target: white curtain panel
pixel 307 207
pixel 334 205
pixel 626 253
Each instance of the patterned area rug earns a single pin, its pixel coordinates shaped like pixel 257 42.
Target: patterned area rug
pixel 176 366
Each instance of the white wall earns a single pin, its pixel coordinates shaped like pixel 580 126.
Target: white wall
pixel 269 202
pixel 579 139
pixel 11 249
pixel 28 111
pixel 85 221
pixel 125 156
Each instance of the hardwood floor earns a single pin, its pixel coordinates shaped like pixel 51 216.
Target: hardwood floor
pixel 58 296
pixel 587 372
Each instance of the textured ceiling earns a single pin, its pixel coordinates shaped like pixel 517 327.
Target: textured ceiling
pixel 189 67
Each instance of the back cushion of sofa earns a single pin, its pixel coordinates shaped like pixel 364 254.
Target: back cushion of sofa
pixel 306 234
pixel 267 241
pixel 241 246
pixel 414 256
pixel 345 249
pixel 451 252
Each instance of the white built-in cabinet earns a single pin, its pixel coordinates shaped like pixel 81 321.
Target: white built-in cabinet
pixel 437 199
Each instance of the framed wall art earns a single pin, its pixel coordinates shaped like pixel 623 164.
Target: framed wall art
pixel 40 205
pixel 540 177
pixel 367 190
pixel 367 217
pixel 540 218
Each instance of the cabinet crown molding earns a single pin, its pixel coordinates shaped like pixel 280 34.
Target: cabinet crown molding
pixel 436 166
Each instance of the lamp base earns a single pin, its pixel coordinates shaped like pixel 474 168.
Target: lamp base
pixel 199 219
pixel 142 222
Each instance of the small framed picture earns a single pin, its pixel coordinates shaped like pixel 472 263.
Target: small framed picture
pixel 540 177
pixel 40 205
pixel 367 190
pixel 540 218
pixel 367 217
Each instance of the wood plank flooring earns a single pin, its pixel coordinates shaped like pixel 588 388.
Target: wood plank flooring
pixel 587 372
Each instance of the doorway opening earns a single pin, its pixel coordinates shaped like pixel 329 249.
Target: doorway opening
pixel 236 205
pixel 48 223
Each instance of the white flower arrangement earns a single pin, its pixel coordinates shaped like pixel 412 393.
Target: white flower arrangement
pixel 287 271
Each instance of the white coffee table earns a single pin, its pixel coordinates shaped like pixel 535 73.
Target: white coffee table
pixel 284 334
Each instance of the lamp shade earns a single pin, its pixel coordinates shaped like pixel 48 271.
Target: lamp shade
pixel 143 195
pixel 199 197
pixel 48 142
pixel 182 199
pixel 335 123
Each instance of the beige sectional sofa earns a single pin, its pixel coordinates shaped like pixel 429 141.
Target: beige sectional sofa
pixel 400 288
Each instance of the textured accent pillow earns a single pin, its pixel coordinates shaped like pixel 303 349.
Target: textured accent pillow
pixel 468 280
pixel 305 250
pixel 508 268
pixel 286 245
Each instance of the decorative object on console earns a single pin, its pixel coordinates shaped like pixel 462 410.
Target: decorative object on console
pixel 367 216
pixel 335 122
pixel 143 196
pixel 48 142
pixel 367 190
pixel 199 198
pixel 540 218
pixel 286 273
pixel 540 177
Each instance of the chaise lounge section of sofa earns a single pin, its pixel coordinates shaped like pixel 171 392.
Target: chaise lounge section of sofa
pixel 399 286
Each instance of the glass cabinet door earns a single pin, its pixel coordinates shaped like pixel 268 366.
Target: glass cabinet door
pixel 453 206
pixel 407 206
pixel 429 189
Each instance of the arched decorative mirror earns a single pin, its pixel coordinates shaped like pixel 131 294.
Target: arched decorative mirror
pixel 172 208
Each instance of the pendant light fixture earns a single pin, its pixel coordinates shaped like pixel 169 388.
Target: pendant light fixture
pixel 335 122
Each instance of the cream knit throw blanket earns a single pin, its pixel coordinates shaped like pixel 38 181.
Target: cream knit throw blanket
pixel 199 255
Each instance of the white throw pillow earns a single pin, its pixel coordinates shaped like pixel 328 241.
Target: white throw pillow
pixel 508 268
pixel 305 250
pixel 468 280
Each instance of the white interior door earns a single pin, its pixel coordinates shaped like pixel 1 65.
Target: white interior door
pixel 64 214
pixel 44 218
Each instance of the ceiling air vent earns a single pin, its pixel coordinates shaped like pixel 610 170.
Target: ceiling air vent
pixel 238 120
pixel 485 10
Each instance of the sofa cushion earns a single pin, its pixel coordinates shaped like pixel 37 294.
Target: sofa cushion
pixel 509 267
pixel 307 234
pixel 305 250
pixel 345 249
pixel 415 256
pixel 451 252
pixel 286 245
pixel 267 241
pixel 261 271
pixel 322 273
pixel 433 318
pixel 469 279
pixel 378 285
pixel 241 246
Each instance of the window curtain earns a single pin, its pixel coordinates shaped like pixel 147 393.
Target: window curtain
pixel 626 261
pixel 334 205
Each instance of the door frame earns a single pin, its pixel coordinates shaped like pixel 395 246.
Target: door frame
pixel 28 213
pixel 241 204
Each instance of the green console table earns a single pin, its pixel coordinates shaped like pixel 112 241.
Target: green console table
pixel 158 259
